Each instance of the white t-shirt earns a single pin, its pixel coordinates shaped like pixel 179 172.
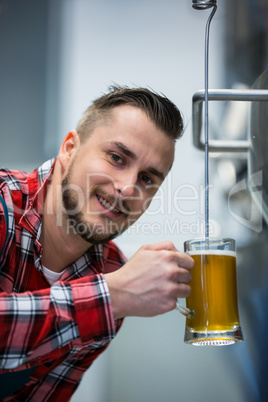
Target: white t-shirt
pixel 51 275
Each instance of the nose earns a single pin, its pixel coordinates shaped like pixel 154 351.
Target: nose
pixel 126 184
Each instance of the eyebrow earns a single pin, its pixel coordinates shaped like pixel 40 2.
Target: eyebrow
pixel 133 156
pixel 156 173
pixel 125 149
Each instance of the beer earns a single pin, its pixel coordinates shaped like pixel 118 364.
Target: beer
pixel 214 292
pixel 212 307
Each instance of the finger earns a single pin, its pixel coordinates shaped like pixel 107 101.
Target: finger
pixel 184 276
pixel 163 245
pixel 183 290
pixel 181 259
pixel 185 261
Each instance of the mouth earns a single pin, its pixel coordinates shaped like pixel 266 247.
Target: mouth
pixel 108 206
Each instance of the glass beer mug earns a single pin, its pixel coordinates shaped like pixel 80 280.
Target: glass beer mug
pixel 211 311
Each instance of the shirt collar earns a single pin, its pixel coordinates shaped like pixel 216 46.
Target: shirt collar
pixel 91 262
pixel 37 183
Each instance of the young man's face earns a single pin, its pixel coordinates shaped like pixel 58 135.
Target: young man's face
pixel 113 176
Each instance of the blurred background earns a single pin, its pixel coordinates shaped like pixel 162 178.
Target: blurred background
pixel 56 56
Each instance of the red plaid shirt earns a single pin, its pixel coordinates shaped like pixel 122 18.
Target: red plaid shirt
pixel 60 328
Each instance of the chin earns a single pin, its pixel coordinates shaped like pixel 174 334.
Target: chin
pixel 94 238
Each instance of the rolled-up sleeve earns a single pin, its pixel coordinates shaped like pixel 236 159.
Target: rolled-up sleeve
pixel 93 310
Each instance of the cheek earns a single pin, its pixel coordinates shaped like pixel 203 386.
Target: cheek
pixel 93 174
pixel 141 203
pixel 146 203
pixel 101 171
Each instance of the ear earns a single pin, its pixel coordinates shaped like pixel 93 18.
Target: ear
pixel 68 148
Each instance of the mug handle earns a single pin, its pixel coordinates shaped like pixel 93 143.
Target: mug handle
pixel 188 312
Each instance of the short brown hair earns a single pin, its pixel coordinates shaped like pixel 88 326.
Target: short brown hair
pixel 162 112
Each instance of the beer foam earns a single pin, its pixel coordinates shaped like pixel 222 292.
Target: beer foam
pixel 229 253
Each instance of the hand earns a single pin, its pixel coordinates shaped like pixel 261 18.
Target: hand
pixel 151 281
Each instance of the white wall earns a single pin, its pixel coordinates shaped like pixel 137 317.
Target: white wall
pixel 159 44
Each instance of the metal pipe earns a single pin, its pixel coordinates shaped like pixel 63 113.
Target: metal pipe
pixel 260 95
pixel 204 5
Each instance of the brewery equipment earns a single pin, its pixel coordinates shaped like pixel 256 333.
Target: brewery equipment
pixel 253 255
pixel 255 147
pixel 204 5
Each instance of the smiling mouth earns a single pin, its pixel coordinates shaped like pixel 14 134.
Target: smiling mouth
pixel 107 205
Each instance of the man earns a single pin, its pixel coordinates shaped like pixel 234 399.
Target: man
pixel 65 285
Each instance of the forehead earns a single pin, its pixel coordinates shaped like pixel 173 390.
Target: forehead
pixel 131 126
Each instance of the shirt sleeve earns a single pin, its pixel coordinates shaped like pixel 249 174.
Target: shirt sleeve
pixel 37 327
pixel 99 325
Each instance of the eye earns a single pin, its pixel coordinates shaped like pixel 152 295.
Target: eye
pixel 116 158
pixel 146 179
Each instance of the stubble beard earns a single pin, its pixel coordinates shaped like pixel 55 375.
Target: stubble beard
pixel 75 221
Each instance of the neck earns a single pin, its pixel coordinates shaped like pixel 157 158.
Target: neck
pixel 61 246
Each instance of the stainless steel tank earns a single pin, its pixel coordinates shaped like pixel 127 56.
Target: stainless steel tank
pixel 255 146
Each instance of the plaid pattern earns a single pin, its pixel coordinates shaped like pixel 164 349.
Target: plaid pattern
pixel 62 328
